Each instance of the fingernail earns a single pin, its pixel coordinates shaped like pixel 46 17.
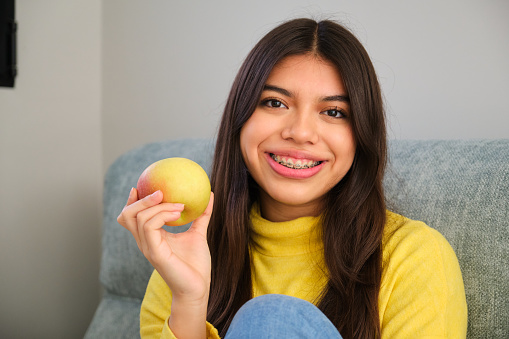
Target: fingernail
pixel 178 205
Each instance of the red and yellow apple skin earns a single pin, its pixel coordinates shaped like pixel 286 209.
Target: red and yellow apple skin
pixel 181 181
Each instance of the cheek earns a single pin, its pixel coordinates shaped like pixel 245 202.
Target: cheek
pixel 351 143
pixel 248 140
pixel 343 145
pixel 243 141
pixel 253 133
pixel 350 147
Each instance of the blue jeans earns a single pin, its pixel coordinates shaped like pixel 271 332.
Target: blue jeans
pixel 280 317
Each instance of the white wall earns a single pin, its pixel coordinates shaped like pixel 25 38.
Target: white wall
pixel 50 173
pixel 168 65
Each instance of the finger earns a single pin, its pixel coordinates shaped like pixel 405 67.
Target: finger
pixel 153 219
pixel 133 196
pixel 143 216
pixel 153 231
pixel 149 201
pixel 201 224
pixel 127 217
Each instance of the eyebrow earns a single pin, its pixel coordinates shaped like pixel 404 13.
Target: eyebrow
pixel 278 90
pixel 342 98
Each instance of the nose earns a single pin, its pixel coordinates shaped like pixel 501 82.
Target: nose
pixel 301 128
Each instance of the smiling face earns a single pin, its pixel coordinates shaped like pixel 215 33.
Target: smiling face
pixel 299 142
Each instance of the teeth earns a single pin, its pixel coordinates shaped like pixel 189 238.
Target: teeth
pixel 298 164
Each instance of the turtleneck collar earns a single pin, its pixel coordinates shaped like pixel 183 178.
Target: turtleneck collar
pixel 287 238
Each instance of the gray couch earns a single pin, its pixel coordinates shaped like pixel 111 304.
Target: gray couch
pixel 460 188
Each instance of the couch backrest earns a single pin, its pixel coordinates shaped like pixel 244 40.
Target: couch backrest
pixel 461 188
pixel 458 187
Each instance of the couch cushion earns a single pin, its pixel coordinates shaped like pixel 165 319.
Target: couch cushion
pixel 116 318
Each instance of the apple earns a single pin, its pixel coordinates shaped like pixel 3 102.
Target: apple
pixel 181 181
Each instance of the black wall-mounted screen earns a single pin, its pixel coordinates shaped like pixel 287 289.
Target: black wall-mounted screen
pixel 8 27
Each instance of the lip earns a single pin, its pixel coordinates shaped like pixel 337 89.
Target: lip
pixel 294 173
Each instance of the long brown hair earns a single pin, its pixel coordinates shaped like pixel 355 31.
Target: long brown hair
pixel 354 213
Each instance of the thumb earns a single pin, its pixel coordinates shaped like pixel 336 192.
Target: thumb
pixel 201 223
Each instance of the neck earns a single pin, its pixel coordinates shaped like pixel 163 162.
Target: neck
pixel 277 211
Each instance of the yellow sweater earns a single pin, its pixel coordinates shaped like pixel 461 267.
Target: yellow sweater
pixel 421 295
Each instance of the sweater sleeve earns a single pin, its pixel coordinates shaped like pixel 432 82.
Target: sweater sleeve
pixel 422 293
pixel 155 311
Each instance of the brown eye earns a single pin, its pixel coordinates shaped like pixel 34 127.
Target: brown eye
pixel 273 103
pixel 334 113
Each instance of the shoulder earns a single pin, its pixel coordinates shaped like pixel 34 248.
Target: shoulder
pixel 422 287
pixel 404 236
pixel 412 247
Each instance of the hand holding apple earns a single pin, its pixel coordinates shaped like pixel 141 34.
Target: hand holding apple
pixel 181 181
pixel 183 259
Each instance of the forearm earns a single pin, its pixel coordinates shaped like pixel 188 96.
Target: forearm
pixel 188 319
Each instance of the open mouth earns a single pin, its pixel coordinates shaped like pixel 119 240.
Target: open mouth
pixel 294 163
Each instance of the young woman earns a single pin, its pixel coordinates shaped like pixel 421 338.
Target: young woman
pixel 299 243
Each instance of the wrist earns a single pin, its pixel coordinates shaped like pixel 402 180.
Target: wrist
pixel 195 299
pixel 194 305
pixel 188 318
